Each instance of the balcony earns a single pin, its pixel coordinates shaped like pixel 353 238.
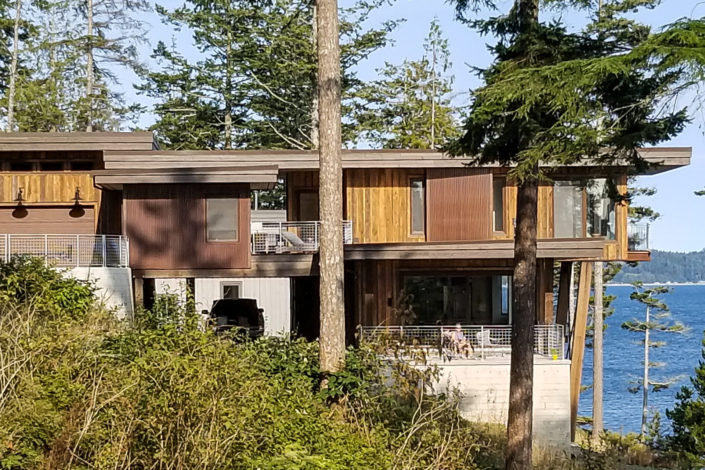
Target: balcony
pixel 470 342
pixel 68 251
pixel 290 237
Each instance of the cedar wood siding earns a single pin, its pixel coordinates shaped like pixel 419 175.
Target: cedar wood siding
pixel 166 225
pixel 50 220
pixel 458 204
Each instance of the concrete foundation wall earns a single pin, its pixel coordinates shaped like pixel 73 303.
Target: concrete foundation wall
pixel 485 394
pixel 114 286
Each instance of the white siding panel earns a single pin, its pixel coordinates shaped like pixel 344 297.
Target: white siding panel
pixel 273 294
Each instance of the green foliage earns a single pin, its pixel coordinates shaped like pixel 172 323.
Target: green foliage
pixel 254 82
pixel 688 420
pixel 555 96
pixel 30 281
pixel 410 106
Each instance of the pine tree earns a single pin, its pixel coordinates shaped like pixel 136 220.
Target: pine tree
pixel 410 106
pixel 657 319
pixel 688 418
pixel 254 82
pixel 555 97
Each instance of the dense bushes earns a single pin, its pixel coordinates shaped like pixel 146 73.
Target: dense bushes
pixel 78 389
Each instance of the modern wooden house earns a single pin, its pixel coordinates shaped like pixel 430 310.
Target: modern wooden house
pixel 429 239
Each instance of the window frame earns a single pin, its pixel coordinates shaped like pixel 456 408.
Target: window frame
pixel 237 219
pixel 225 284
pixel 415 233
pixel 503 181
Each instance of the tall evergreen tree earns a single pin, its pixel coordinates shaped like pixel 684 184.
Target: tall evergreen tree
pixel 410 106
pixel 656 319
pixel 254 82
pixel 554 96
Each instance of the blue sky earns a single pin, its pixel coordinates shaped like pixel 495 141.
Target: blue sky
pixel 682 224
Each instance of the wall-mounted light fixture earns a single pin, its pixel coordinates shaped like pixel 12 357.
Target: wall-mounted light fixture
pixel 77 210
pixel 20 211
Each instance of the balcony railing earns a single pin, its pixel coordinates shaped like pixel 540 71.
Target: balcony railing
pixel 467 341
pixel 290 237
pixel 638 237
pixel 68 251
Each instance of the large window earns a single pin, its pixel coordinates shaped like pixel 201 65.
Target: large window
pixel 498 204
pixel 222 219
pixel 418 206
pixel 583 209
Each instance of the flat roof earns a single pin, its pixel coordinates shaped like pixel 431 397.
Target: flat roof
pixel 258 177
pixel 75 141
pixel 287 160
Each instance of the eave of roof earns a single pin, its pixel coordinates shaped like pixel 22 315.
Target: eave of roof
pixel 258 177
pixel 76 141
pixel 287 160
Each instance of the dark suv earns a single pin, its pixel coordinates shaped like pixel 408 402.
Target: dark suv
pixel 243 315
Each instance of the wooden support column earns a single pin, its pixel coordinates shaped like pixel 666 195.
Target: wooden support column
pixel 564 294
pixel 577 348
pixel 544 294
pixel 138 291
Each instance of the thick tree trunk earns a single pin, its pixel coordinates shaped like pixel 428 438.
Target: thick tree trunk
pixel 12 88
pixel 314 104
pixel 519 423
pixel 332 334
pixel 89 65
pixel 597 353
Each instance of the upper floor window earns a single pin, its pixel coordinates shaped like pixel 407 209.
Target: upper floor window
pixel 498 204
pixel 583 209
pixel 222 219
pixel 418 206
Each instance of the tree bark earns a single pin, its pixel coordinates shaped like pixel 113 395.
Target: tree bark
pixel 332 305
pixel 89 64
pixel 12 88
pixel 645 383
pixel 520 416
pixel 597 353
pixel 314 104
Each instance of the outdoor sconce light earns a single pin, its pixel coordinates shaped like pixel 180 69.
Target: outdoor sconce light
pixel 20 211
pixel 77 210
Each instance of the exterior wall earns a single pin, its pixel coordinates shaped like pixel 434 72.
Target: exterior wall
pixel 273 295
pixel 484 388
pixel 378 201
pixel 545 210
pixel 296 182
pixel 459 204
pixel 50 220
pixel 166 225
pixel 114 286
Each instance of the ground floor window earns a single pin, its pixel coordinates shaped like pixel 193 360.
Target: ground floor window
pixel 458 298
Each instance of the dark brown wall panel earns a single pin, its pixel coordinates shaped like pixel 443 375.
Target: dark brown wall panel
pixel 47 220
pixel 166 225
pixel 459 204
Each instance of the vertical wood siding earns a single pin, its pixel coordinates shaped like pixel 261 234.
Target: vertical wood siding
pixel 378 201
pixel 167 227
pixel 297 181
pixel 54 220
pixel 459 204
pixel 47 187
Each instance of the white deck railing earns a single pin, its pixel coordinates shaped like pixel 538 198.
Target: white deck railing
pixel 469 341
pixel 68 251
pixel 290 237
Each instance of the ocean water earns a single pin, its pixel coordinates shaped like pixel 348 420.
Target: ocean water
pixel 623 357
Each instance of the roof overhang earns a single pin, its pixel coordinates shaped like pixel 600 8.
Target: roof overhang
pixel 76 141
pixel 257 177
pixel 563 249
pixel 289 160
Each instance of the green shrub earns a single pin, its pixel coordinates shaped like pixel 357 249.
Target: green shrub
pixel 30 281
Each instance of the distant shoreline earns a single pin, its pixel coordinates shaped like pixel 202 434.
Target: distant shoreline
pixel 626 284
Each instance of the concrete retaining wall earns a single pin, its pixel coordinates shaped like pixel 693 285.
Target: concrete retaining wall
pixel 114 286
pixel 484 386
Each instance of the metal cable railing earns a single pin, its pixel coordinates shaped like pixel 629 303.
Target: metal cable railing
pixel 68 251
pixel 470 341
pixel 290 237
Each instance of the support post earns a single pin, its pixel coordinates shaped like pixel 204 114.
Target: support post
pixel 138 287
pixel 578 344
pixel 597 353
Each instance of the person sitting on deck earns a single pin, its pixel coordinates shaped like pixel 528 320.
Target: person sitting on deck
pixel 458 342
